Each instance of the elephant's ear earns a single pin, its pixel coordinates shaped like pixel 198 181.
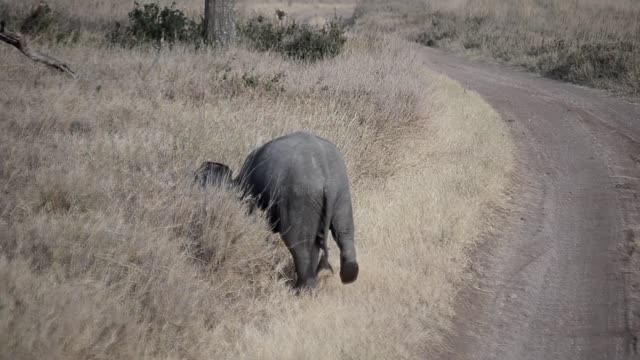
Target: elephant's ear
pixel 212 173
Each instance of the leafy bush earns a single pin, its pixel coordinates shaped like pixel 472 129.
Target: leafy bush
pixel 149 23
pixel 588 62
pixel 297 41
pixel 441 27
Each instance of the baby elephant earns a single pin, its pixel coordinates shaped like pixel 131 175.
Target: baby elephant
pixel 300 180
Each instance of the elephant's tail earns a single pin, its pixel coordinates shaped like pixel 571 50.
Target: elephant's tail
pixel 327 215
pixel 323 231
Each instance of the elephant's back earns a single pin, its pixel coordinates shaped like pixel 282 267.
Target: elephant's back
pixel 300 159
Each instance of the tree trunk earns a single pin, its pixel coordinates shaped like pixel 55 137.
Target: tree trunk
pixel 209 20
pixel 219 21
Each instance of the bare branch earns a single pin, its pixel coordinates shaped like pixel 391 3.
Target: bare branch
pixel 19 41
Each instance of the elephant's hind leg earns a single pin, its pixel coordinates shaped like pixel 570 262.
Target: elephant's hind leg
pixel 305 255
pixel 343 231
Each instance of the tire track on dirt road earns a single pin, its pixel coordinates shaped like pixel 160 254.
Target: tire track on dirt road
pixel 560 279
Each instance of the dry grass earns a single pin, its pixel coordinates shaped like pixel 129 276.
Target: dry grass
pixel 92 14
pixel 107 252
pixel 305 8
pixel 589 42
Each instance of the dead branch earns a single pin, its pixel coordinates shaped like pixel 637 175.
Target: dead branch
pixel 19 41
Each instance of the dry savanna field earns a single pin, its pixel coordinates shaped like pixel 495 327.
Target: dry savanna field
pixel 589 42
pixel 101 231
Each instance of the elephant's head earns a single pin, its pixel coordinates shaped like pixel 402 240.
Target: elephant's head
pixel 213 173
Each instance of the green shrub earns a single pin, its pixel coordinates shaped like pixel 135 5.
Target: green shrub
pixel 151 24
pixel 262 34
pixel 441 27
pixel 297 41
pixel 589 62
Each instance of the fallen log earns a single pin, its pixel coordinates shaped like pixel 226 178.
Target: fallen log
pixel 19 41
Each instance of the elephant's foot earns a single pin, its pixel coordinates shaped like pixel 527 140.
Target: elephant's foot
pixel 348 271
pixel 307 284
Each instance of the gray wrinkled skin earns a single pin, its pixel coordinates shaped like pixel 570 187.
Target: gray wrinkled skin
pixel 300 180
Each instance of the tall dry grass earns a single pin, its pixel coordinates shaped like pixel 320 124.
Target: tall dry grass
pixel 591 42
pixel 90 15
pixel 106 251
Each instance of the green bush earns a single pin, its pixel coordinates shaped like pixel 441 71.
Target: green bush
pixel 441 27
pixel 588 62
pixel 151 24
pixel 297 41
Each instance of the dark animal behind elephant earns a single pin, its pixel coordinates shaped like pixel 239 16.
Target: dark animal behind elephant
pixel 213 173
pixel 301 181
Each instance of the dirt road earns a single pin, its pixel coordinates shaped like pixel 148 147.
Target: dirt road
pixel 559 280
